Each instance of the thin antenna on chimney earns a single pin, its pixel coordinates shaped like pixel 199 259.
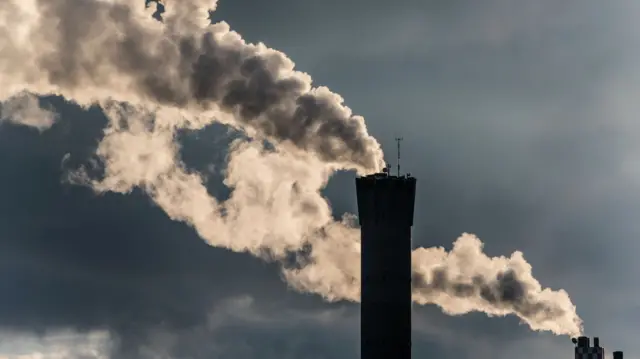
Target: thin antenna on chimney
pixel 398 140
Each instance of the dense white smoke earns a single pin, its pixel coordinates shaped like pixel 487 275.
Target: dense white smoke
pixel 153 78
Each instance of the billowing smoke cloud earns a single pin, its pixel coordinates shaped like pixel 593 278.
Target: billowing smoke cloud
pixel 154 78
pixel 465 279
pixel 91 50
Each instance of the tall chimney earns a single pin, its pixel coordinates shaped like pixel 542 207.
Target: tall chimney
pixel 617 355
pixel 385 211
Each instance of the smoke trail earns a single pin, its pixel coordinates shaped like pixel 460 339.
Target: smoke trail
pixel 185 73
pixel 466 279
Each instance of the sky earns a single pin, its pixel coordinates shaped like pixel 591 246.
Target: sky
pixel 518 121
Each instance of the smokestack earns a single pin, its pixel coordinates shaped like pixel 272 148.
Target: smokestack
pixel 584 351
pixel 385 206
pixel 617 355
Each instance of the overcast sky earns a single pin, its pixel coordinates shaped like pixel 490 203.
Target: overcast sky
pixel 519 121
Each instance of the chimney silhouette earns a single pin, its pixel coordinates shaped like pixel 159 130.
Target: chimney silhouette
pixel 584 351
pixel 385 210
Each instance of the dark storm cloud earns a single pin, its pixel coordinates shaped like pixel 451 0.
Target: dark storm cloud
pixel 242 327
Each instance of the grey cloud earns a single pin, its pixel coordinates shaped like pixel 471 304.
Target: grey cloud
pixel 66 344
pixel 241 327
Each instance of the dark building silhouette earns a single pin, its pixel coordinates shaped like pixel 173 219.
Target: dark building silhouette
pixel 584 350
pixel 385 210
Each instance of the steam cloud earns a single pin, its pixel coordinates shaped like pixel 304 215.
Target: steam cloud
pixel 152 78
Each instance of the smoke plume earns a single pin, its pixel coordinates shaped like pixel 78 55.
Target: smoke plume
pixel 91 50
pixel 153 78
